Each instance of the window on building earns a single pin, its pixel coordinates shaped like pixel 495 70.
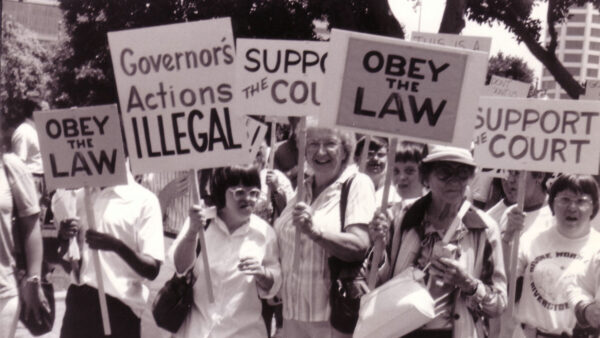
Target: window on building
pixel 592 72
pixel 575 44
pixel 595 32
pixel 573 70
pixel 595 45
pixel 596 18
pixel 577 17
pixel 593 59
pixel 575 31
pixel 572 58
pixel 546 72
pixel 548 84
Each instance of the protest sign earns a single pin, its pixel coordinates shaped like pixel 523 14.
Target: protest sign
pixel 391 87
pixel 501 86
pixel 81 147
pixel 538 135
pixel 279 77
pixel 175 93
pixel 256 132
pixel 477 43
pixel 592 90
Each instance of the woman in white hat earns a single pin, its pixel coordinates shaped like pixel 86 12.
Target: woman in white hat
pixel 464 272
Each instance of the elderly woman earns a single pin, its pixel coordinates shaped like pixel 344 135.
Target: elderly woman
pixel 466 275
pixel 305 290
pixel 244 259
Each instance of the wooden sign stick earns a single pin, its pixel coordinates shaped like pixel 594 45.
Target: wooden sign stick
pixel 300 185
pixel 514 249
pixel 379 245
pixel 196 200
pixel 91 220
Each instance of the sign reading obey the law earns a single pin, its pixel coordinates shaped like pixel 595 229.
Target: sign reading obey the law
pixel 391 87
pixel 279 77
pixel 478 43
pixel 175 85
pixel 501 86
pixel 81 147
pixel 538 135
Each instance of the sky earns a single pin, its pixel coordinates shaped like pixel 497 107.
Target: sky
pixel 431 16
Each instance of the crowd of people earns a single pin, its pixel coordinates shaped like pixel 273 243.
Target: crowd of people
pixel 432 223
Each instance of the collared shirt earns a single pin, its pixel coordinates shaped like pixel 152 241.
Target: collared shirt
pixel 130 213
pixel 236 311
pixel 177 210
pixel 19 192
pixel 305 291
pixel 25 144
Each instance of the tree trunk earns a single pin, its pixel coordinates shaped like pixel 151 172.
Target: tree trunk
pixel 453 20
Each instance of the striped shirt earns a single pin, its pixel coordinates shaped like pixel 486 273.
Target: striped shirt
pixel 177 210
pixel 305 292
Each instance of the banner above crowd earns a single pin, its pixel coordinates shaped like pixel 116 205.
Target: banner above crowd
pixel 392 87
pixel 538 135
pixel 81 147
pixel 175 85
pixel 279 77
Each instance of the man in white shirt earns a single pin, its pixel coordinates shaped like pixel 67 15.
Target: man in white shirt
pixel 129 240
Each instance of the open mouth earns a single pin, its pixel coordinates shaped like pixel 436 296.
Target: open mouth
pixel 572 218
pixel 375 167
pixel 322 161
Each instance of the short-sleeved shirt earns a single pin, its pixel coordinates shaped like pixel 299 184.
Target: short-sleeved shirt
pixel 498 210
pixel 18 192
pixel 305 292
pixel 132 214
pixel 26 145
pixel 544 260
pixel 236 311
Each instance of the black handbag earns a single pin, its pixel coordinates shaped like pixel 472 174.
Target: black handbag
pixel 174 300
pixel 348 281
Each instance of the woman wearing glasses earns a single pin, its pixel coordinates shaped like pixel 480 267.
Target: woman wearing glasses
pixel 305 289
pixel 466 275
pixel 243 255
pixel 545 256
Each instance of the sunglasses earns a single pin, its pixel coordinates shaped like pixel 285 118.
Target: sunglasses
pixel 241 193
pixel 446 172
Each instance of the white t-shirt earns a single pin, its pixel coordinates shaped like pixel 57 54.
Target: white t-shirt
pixel 393 196
pixel 132 214
pixel 544 258
pixel 25 144
pixel 542 218
pixel 498 210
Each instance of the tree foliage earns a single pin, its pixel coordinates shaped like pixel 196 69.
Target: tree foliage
pixel 515 15
pixel 24 63
pixel 512 67
pixel 83 66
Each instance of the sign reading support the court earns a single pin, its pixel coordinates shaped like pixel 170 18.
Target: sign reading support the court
pixel 81 147
pixel 175 85
pixel 396 88
pixel 538 135
pixel 279 77
pixel 477 43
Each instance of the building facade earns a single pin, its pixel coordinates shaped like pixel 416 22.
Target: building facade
pixel 42 17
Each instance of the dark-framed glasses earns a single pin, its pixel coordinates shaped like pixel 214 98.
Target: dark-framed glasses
pixel 445 172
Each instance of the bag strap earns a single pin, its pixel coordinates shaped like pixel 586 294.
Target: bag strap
pixel 344 200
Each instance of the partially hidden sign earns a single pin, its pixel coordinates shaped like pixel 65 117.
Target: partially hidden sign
pixel 81 147
pixel 395 88
pixel 175 85
pixel 592 90
pixel 538 135
pixel 501 86
pixel 477 43
pixel 279 77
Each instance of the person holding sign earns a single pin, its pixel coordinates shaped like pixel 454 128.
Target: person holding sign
pixel 455 244
pixel 305 292
pixel 545 256
pixel 376 166
pixel 244 259
pixel 130 244
pixel 18 194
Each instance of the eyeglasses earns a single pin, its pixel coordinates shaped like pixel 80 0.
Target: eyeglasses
pixel 445 172
pixel 583 203
pixel 241 193
pixel 328 144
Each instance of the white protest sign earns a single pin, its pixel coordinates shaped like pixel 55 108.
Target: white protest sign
pixel 391 87
pixel 256 132
pixel 175 93
pixel 477 43
pixel 538 135
pixel 592 90
pixel 81 147
pixel 501 86
pixel 279 77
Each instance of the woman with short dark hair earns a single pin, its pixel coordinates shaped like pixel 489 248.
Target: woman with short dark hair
pixel 243 255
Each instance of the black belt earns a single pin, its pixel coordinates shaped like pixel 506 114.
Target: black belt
pixel 539 333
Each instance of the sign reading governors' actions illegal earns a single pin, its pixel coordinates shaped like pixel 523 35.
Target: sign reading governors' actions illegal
pixel 175 85
pixel 81 147
pixel 279 77
pixel 396 88
pixel 538 135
